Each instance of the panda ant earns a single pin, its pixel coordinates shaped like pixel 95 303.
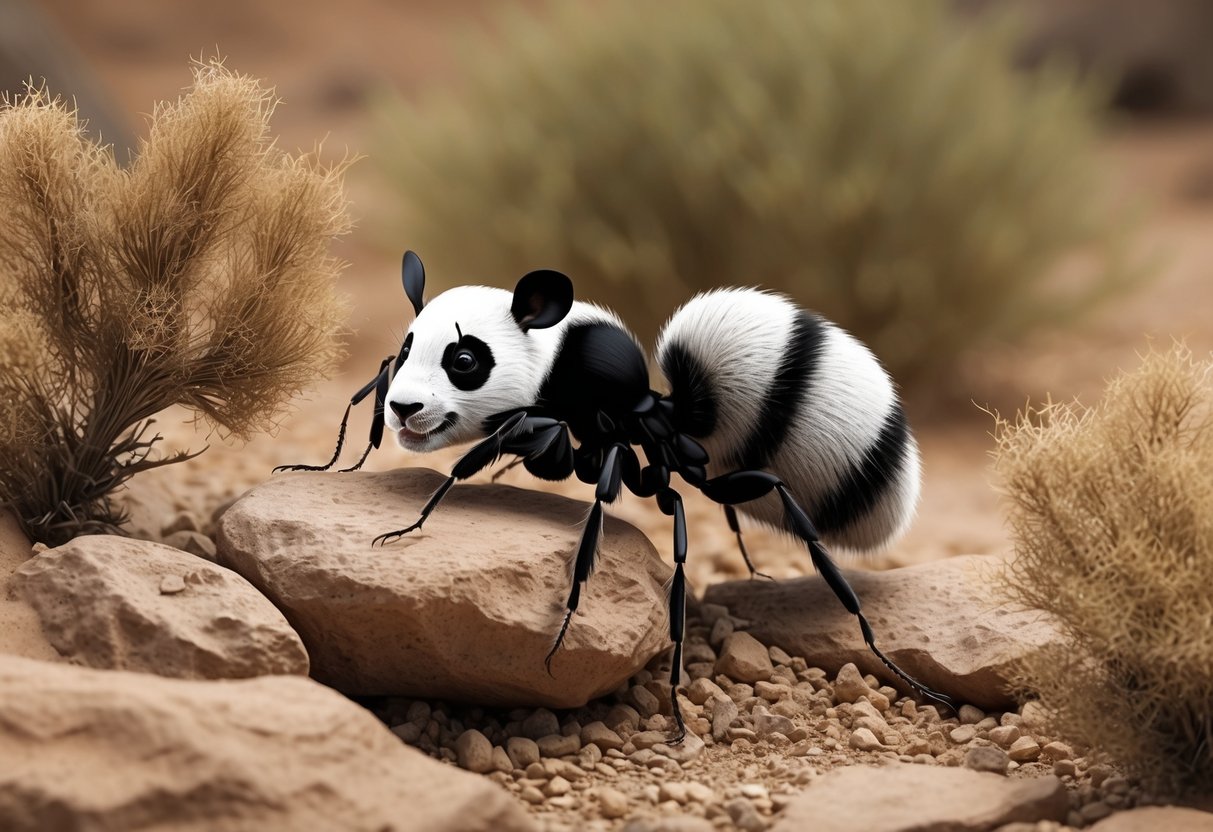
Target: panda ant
pixel 773 412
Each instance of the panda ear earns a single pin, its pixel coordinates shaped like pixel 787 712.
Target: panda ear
pixel 412 274
pixel 541 299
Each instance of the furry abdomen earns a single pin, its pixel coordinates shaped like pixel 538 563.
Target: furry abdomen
pixel 764 384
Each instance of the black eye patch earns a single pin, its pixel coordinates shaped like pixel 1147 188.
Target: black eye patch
pixel 468 362
pixel 404 350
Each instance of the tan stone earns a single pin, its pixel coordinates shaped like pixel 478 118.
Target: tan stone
pixel 938 621
pixel 1155 819
pixel 20 628
pixel 465 608
pixel 744 659
pixel 117 603
pixel 109 750
pixel 905 797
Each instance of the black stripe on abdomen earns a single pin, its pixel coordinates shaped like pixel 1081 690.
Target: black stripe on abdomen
pixel 788 389
pixel 865 483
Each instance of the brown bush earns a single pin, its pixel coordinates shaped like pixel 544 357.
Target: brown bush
pixel 199 275
pixel 1112 512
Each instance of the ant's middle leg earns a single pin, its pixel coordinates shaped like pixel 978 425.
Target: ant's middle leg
pixel 619 458
pixel 730 515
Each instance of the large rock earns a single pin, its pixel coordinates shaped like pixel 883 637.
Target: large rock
pixel 1156 819
pixel 20 629
pixel 465 608
pixel 940 622
pixel 91 750
pixel 911 798
pixel 117 603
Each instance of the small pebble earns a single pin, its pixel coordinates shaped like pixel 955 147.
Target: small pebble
pixel 987 758
pixel 474 752
pixel 864 740
pixel 744 815
pixel 522 751
pixel 643 700
pixel 612 803
pixel 724 712
pixel 1004 735
pixel 541 723
pixel 1024 750
pixel 531 795
pixel 849 684
pixel 558 745
pixel 557 786
pixel 1057 751
pixel 1064 768
pixel 172 584
pixel 744 658
pixel 597 733
pixel 963 733
pixel 970 715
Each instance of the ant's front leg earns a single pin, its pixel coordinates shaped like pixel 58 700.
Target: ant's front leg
pixel 521 433
pixel 380 385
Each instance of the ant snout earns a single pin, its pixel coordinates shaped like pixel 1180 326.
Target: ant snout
pixel 404 411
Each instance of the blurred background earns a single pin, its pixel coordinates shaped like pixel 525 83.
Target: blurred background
pixel 1006 199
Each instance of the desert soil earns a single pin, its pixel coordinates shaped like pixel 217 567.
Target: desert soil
pixel 327 58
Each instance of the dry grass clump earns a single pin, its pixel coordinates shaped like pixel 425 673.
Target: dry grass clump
pixel 199 276
pixel 881 162
pixel 1112 512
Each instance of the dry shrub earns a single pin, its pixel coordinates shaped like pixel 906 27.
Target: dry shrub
pixel 879 161
pixel 1112 512
pixel 199 275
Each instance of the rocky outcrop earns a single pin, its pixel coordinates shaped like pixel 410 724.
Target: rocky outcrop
pixel 911 798
pixel 20 629
pixel 941 622
pixel 1156 819
pixel 117 603
pixel 464 609
pixel 105 750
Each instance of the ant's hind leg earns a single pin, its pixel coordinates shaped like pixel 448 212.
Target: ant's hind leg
pixel 730 515
pixel 743 486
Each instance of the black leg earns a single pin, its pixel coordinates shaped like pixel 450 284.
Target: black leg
pixel 671 504
pixel 483 454
pixel 507 467
pixel 369 447
pixel 743 486
pixel 379 384
pixel 730 515
pixel 607 491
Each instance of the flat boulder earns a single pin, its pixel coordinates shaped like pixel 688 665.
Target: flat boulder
pixel 465 608
pixel 912 798
pixel 107 750
pixel 941 622
pixel 122 604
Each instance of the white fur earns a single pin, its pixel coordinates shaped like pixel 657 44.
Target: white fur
pixel 739 336
pixel 522 361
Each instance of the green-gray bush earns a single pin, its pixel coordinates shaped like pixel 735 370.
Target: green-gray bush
pixel 1112 512
pixel 877 160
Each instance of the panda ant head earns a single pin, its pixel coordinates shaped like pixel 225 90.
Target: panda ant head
pixel 471 353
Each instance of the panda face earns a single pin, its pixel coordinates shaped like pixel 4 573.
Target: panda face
pixel 466 359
